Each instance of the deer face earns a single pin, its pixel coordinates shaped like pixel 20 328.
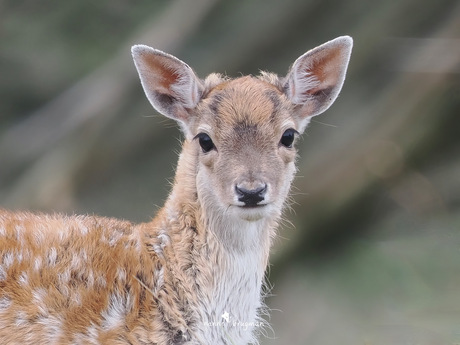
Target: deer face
pixel 243 130
pixel 245 136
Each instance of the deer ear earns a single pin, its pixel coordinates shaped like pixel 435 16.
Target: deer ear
pixel 170 85
pixel 316 78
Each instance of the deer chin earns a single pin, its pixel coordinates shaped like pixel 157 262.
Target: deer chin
pixel 253 213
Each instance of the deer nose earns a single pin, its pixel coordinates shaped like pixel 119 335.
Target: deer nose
pixel 251 196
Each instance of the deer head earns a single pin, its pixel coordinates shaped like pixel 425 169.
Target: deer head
pixel 242 131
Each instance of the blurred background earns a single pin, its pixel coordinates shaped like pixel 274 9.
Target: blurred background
pixel 370 253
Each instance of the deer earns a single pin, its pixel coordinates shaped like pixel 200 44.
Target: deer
pixel 195 273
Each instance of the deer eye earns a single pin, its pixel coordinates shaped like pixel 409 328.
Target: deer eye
pixel 288 137
pixel 205 142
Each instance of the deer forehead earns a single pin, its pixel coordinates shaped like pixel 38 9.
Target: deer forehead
pixel 245 106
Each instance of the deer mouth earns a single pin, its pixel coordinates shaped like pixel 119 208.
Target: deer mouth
pixel 252 207
pixel 253 212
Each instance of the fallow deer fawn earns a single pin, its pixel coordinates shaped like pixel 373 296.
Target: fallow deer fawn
pixel 194 274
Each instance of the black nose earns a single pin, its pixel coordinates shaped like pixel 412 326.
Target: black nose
pixel 251 197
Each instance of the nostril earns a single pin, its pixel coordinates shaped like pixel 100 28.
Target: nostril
pixel 261 190
pixel 256 191
pixel 251 197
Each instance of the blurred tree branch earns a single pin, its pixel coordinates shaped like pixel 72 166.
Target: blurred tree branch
pixel 93 99
pixel 399 121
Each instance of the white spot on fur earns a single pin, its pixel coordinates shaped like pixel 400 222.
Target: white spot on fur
pixel 163 237
pixel 19 229
pixel 139 242
pixel 121 274
pixel 100 281
pixel 114 238
pixel 93 334
pixel 76 299
pixel 164 240
pixel 83 228
pixel 135 239
pixel 38 295
pixel 3 274
pixel 75 264
pixel 8 259
pixel 5 303
pixel 84 255
pixel 64 289
pixel 52 256
pixel 38 263
pixel 38 299
pixel 78 339
pixel 21 319
pixel 114 315
pixel 26 254
pixel 23 279
pixel 63 235
pixel 103 237
pixel 52 326
pixel 19 257
pixel 90 279
pixel 159 281
pixel 64 277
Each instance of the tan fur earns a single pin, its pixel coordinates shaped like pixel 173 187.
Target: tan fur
pixel 93 280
